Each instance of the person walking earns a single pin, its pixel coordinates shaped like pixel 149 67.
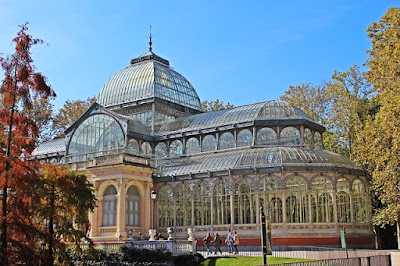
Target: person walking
pixel 229 241
pixel 217 243
pixel 208 240
pixel 235 241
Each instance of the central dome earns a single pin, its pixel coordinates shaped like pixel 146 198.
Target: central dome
pixel 148 77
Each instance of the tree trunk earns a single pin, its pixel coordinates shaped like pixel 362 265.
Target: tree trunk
pixel 398 237
pixel 51 228
pixel 6 169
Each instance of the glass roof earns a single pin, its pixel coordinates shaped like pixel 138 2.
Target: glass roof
pixel 250 158
pixel 48 147
pixel 258 111
pixel 149 76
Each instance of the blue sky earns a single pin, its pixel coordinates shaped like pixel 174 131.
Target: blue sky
pixel 238 51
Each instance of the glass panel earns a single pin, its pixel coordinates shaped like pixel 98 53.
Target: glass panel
pixel 208 143
pixel 244 202
pixel 226 141
pixel 266 136
pixel 202 204
pixel 318 141
pixel 192 146
pixel 183 206
pixel 176 148
pixel 97 135
pixel 244 138
pixel 161 150
pixel 270 198
pixel 307 136
pixel 165 206
pixel 359 199
pixel 322 200
pixel 343 201
pixel 290 136
pixel 296 200
pixel 133 147
pixel 221 208
pixel 146 149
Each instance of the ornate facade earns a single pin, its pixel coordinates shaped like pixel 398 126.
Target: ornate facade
pixel 211 171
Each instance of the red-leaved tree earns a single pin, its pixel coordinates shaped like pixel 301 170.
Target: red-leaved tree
pixel 18 134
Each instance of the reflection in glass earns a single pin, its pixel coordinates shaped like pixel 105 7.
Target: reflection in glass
pixel 226 141
pixel 266 136
pixel 208 143
pixel 244 138
pixel 192 146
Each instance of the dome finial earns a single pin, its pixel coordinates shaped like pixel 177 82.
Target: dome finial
pixel 150 42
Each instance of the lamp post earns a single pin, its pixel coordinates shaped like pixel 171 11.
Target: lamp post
pixel 153 195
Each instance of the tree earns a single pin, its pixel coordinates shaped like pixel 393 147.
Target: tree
pixel 378 146
pixel 66 199
pixel 211 106
pixel 340 104
pixel 348 101
pixel 41 114
pixel 20 86
pixel 309 98
pixel 70 113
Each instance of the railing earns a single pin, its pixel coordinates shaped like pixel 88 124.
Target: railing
pixel 301 252
pixel 107 230
pixel 381 260
pixel 175 247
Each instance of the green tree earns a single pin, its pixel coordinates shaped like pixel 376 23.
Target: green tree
pixel 69 114
pixel 66 199
pixel 43 115
pixel 211 106
pixel 309 98
pixel 378 146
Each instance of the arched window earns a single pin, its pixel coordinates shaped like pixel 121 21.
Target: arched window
pixel 208 143
pixel 221 202
pixel 244 138
pixel 343 200
pixel 132 207
pixel 165 205
pixel 183 206
pixel 290 136
pixel 226 141
pixel 98 135
pixel 296 200
pixel 266 136
pixel 359 200
pixel 161 150
pixel 133 147
pixel 192 146
pixel 322 200
pixel 109 206
pixel 318 141
pixel 244 202
pixel 146 149
pixel 270 198
pixel 176 148
pixel 307 136
pixel 202 204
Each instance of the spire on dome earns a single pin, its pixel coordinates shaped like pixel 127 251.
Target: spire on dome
pixel 150 42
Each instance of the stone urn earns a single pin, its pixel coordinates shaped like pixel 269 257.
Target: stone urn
pixel 170 231
pixel 191 234
pixel 152 234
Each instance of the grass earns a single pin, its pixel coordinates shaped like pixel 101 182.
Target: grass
pixel 247 261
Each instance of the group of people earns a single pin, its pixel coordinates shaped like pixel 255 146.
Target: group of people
pixel 231 240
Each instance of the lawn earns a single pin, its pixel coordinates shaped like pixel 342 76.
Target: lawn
pixel 247 261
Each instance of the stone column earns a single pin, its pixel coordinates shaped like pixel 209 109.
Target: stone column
pixel 258 210
pixel 148 208
pixel 97 215
pixel 121 211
